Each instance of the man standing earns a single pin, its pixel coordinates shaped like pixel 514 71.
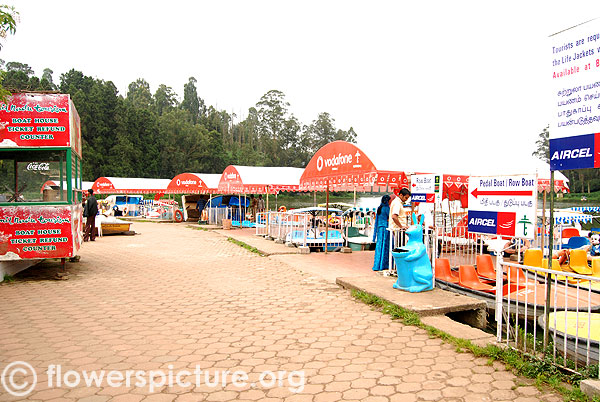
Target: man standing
pixel 261 204
pixel 90 210
pixel 200 206
pixel 398 218
pixel 253 206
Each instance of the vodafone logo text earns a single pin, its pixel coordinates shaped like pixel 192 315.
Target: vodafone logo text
pixel 335 160
pixel 186 182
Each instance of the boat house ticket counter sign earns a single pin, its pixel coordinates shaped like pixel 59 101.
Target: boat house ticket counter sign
pixel 575 96
pixel 503 205
pixel 40 178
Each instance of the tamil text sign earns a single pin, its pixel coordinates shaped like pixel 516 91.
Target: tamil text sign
pixel 575 97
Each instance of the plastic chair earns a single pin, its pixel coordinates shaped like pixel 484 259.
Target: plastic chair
pixel 485 267
pixel 516 275
pixel 443 271
pixel 533 258
pixel 567 233
pixel 467 277
pixel 596 267
pixel 555 264
pixel 576 242
pixel 578 262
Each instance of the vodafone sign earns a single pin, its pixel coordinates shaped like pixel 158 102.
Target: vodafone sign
pixel 186 183
pixel 336 159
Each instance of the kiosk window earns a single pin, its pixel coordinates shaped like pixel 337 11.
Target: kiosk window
pixel 28 176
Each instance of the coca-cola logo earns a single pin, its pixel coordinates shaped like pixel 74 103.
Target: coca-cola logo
pixel 38 166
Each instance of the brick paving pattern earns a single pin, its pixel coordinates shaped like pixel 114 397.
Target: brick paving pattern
pixel 174 298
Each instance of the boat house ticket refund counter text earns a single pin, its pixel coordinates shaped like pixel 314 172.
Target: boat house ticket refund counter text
pixel 40 180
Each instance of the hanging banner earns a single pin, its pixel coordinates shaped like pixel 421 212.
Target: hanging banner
pixel 503 205
pixel 575 97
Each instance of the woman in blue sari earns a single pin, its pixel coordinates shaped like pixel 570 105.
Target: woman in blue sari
pixel 382 236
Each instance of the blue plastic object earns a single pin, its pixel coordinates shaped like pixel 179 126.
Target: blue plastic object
pixel 412 262
pixel 576 242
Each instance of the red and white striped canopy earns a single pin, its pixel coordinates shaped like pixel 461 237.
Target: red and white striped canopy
pixel 194 183
pixel 259 179
pixel 121 185
pixel 344 167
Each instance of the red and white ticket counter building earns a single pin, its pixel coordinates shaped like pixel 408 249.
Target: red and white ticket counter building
pixel 40 180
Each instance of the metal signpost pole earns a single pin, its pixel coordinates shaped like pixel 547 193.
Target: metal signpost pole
pixel 549 277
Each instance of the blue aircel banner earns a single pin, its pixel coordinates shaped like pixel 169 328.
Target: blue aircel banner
pixel 482 221
pixel 577 152
pixel 502 223
pixel 418 197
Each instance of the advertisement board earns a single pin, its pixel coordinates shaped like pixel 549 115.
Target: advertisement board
pixel 503 205
pixel 575 96
pixel 39 120
pixel 39 231
pixel 426 188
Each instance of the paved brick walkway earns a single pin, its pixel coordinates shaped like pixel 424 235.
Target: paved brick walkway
pixel 174 298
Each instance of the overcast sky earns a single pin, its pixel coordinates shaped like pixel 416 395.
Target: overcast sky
pixel 435 86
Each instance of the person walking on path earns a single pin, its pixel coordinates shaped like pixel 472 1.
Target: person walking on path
pixel 381 236
pixel 90 211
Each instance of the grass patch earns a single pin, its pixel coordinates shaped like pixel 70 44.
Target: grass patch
pixel 542 371
pixel 246 246
pixel 9 278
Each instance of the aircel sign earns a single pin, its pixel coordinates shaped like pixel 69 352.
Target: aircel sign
pixel 502 223
pixel 503 205
pixel 575 97
pixel 575 152
pixel 336 161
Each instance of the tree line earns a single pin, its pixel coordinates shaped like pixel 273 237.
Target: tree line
pixel 145 134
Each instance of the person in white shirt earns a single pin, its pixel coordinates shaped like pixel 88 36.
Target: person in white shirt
pixel 398 215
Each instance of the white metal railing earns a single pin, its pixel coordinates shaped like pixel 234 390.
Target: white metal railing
pixel 301 229
pixel 261 224
pixel 288 226
pixel 216 215
pixel 398 238
pixel 458 242
pixel 520 303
